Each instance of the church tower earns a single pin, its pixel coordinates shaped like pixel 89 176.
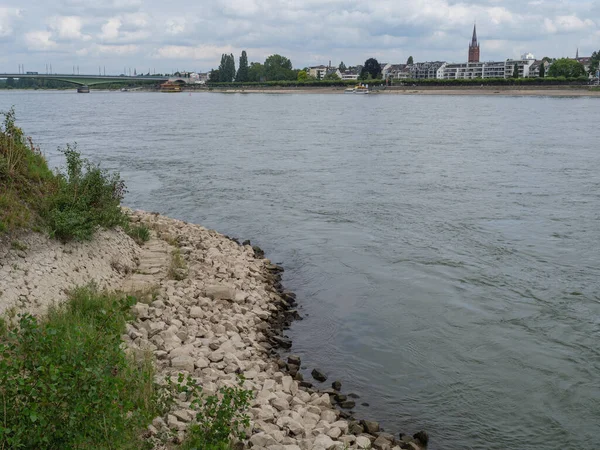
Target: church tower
pixel 474 47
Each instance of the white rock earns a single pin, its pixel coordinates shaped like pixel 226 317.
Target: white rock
pixel 220 292
pixel 262 440
pixel 280 404
pixel 216 356
pixel 323 442
pixel 363 442
pixel 196 312
pixel 201 363
pixel 342 425
pixel 183 363
pixel 329 416
pixel 334 432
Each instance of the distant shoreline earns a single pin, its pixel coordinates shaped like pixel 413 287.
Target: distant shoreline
pixel 519 91
pixel 550 91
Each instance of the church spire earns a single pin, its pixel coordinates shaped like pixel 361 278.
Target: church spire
pixel 577 54
pixel 474 47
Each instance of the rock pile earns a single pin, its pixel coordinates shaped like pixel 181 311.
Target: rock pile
pixel 226 318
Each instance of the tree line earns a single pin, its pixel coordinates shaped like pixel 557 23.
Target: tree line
pixel 275 68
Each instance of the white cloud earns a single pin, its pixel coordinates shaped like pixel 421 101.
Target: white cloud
pixel 68 27
pixel 110 30
pixel 307 31
pixel 118 50
pixel 175 25
pixel 201 52
pixel 572 23
pixel 7 18
pixel 40 40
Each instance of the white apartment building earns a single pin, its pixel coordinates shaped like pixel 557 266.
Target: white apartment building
pixel 491 69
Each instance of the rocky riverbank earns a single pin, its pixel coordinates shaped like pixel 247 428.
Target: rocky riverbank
pixel 213 308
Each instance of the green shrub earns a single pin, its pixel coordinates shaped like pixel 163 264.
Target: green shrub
pixel 87 197
pixel 66 383
pixel 219 418
pixel 139 233
pixel 178 268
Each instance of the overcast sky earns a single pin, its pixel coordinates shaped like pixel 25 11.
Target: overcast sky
pixel 192 34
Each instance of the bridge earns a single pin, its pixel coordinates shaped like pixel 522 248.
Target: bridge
pixel 91 80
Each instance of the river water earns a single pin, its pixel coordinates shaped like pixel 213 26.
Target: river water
pixel 445 249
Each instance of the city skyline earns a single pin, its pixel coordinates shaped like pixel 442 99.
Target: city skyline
pixel 151 35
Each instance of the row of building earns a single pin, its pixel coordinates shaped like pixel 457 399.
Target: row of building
pixel 527 66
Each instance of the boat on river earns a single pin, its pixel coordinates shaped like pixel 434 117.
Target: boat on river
pixel 170 87
pixel 359 89
pixel 83 90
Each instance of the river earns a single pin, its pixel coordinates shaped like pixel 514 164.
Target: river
pixel 445 249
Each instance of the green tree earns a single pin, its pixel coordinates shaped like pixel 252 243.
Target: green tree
pixel 214 76
pixel 565 67
pixel 342 67
pixel 332 76
pixel 242 73
pixel 278 68
pixel 516 71
pixel 542 69
pixel 10 82
pixel 409 60
pixel 226 69
pixel 372 68
pixel 222 69
pixel 256 72
pixel 230 68
pixel 302 75
pixel 595 63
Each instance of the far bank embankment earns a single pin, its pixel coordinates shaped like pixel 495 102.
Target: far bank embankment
pixel 217 309
pixel 525 91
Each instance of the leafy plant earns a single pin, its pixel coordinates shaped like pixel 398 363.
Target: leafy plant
pixel 65 381
pixel 87 197
pixel 219 418
pixel 178 268
pixel 139 233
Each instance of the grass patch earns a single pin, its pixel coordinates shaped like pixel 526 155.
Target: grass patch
pixel 178 268
pixel 147 295
pixel 65 381
pixel 17 245
pixel 25 179
pixel 139 233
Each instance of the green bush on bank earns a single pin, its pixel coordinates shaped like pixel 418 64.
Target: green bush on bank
pixel 70 204
pixel 86 197
pixel 65 381
pixel 219 418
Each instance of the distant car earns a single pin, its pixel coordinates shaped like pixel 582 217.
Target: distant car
pixel 31 73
